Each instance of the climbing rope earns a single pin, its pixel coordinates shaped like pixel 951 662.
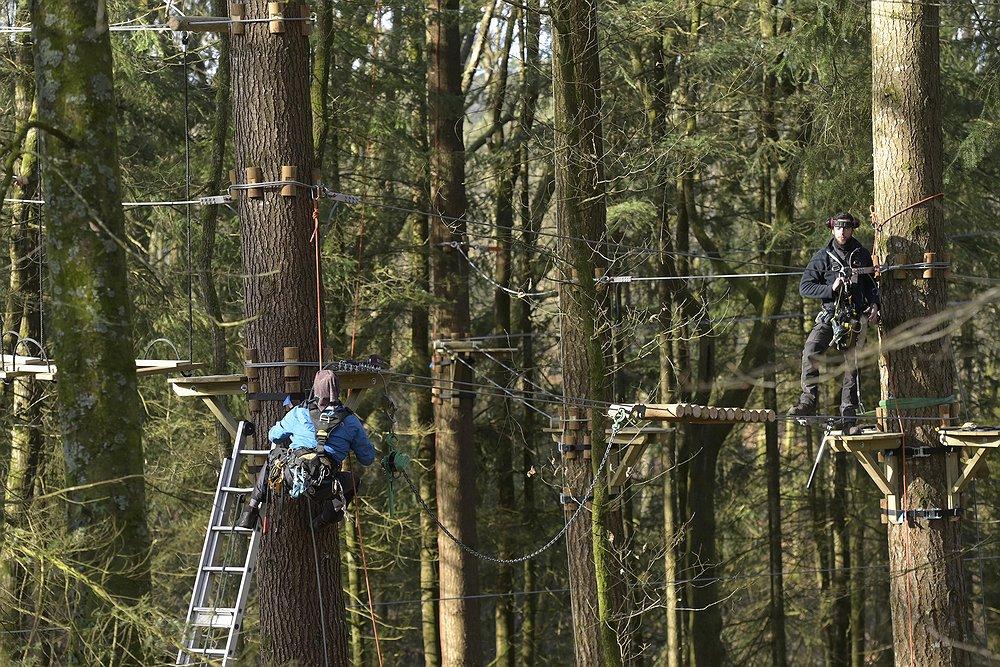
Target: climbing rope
pixel 618 421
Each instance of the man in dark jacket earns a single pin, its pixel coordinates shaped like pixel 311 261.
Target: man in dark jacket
pixel 847 294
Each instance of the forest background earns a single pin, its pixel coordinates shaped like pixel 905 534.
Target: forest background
pixel 731 132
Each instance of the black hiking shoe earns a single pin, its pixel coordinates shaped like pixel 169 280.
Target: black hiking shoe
pixel 249 517
pixel 326 518
pixel 801 410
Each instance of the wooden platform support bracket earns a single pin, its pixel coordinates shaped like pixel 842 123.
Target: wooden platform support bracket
pixel 868 448
pixel 276 12
pixel 975 442
pixel 253 381
pixel 289 172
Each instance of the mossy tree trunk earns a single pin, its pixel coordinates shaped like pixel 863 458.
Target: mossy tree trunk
pixel 91 324
pixel 581 212
pixel 928 594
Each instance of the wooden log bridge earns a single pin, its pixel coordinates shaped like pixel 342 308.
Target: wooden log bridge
pixel 693 414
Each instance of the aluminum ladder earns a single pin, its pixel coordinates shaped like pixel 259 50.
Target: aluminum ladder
pixel 225 571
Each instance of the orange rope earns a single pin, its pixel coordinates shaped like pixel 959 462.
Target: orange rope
pixel 368 585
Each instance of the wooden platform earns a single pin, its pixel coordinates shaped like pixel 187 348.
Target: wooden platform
pixel 211 389
pixel 694 414
pixel 975 442
pixel 12 366
pixel 869 441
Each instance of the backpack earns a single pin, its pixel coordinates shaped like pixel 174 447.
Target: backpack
pixel 303 470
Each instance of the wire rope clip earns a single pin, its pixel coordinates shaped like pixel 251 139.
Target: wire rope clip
pixel 215 200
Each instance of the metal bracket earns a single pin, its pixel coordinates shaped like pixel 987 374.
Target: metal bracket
pixel 565 447
pixel 570 499
pixel 928 513
pixel 919 452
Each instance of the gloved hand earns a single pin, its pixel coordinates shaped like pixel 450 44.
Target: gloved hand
pixel 838 283
pixel 873 315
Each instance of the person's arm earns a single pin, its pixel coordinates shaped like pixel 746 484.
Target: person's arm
pixel 280 429
pixel 813 284
pixel 363 449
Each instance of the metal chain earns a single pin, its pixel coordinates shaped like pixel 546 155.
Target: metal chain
pixel 617 422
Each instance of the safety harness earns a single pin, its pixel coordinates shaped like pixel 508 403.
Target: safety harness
pixel 845 319
pixel 302 471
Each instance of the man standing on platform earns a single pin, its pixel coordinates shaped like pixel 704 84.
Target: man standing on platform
pixel 840 275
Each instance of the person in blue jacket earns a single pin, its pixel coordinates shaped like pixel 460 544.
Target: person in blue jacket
pixel 831 276
pixel 328 428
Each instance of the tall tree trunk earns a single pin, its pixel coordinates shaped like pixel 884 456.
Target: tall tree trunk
pixel 91 319
pixel 424 426
pixel 928 589
pixel 209 217
pixel 271 117
pixel 506 169
pixel 26 428
pixel 455 467
pixel 580 215
pixel 840 620
pixel 861 503
pixel 772 457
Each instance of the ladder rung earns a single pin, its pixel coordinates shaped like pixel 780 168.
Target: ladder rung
pixel 205 651
pixel 255 452
pixel 237 489
pixel 232 529
pixel 225 569
pixel 214 618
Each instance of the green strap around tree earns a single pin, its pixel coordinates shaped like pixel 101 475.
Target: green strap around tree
pixel 912 403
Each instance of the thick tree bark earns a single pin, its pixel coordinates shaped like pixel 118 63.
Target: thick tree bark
pixel 581 215
pixel 91 318
pixel 928 589
pixel 271 116
pixel 455 467
pixel 423 418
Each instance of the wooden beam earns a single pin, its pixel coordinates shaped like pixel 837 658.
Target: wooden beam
pixel 222 413
pixel 968 470
pixel 866 442
pixel 871 467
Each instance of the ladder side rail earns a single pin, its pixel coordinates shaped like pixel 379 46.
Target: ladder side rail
pixel 246 579
pixel 210 546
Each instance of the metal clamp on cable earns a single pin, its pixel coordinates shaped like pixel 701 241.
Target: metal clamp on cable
pixel 565 447
pixel 918 452
pixel 570 499
pixel 928 513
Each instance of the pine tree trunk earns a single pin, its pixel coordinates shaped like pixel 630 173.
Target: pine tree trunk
pixel 271 117
pixel 580 215
pixel 928 589
pixel 91 318
pixel 839 630
pixel 455 467
pixel 26 428
pixel 423 413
